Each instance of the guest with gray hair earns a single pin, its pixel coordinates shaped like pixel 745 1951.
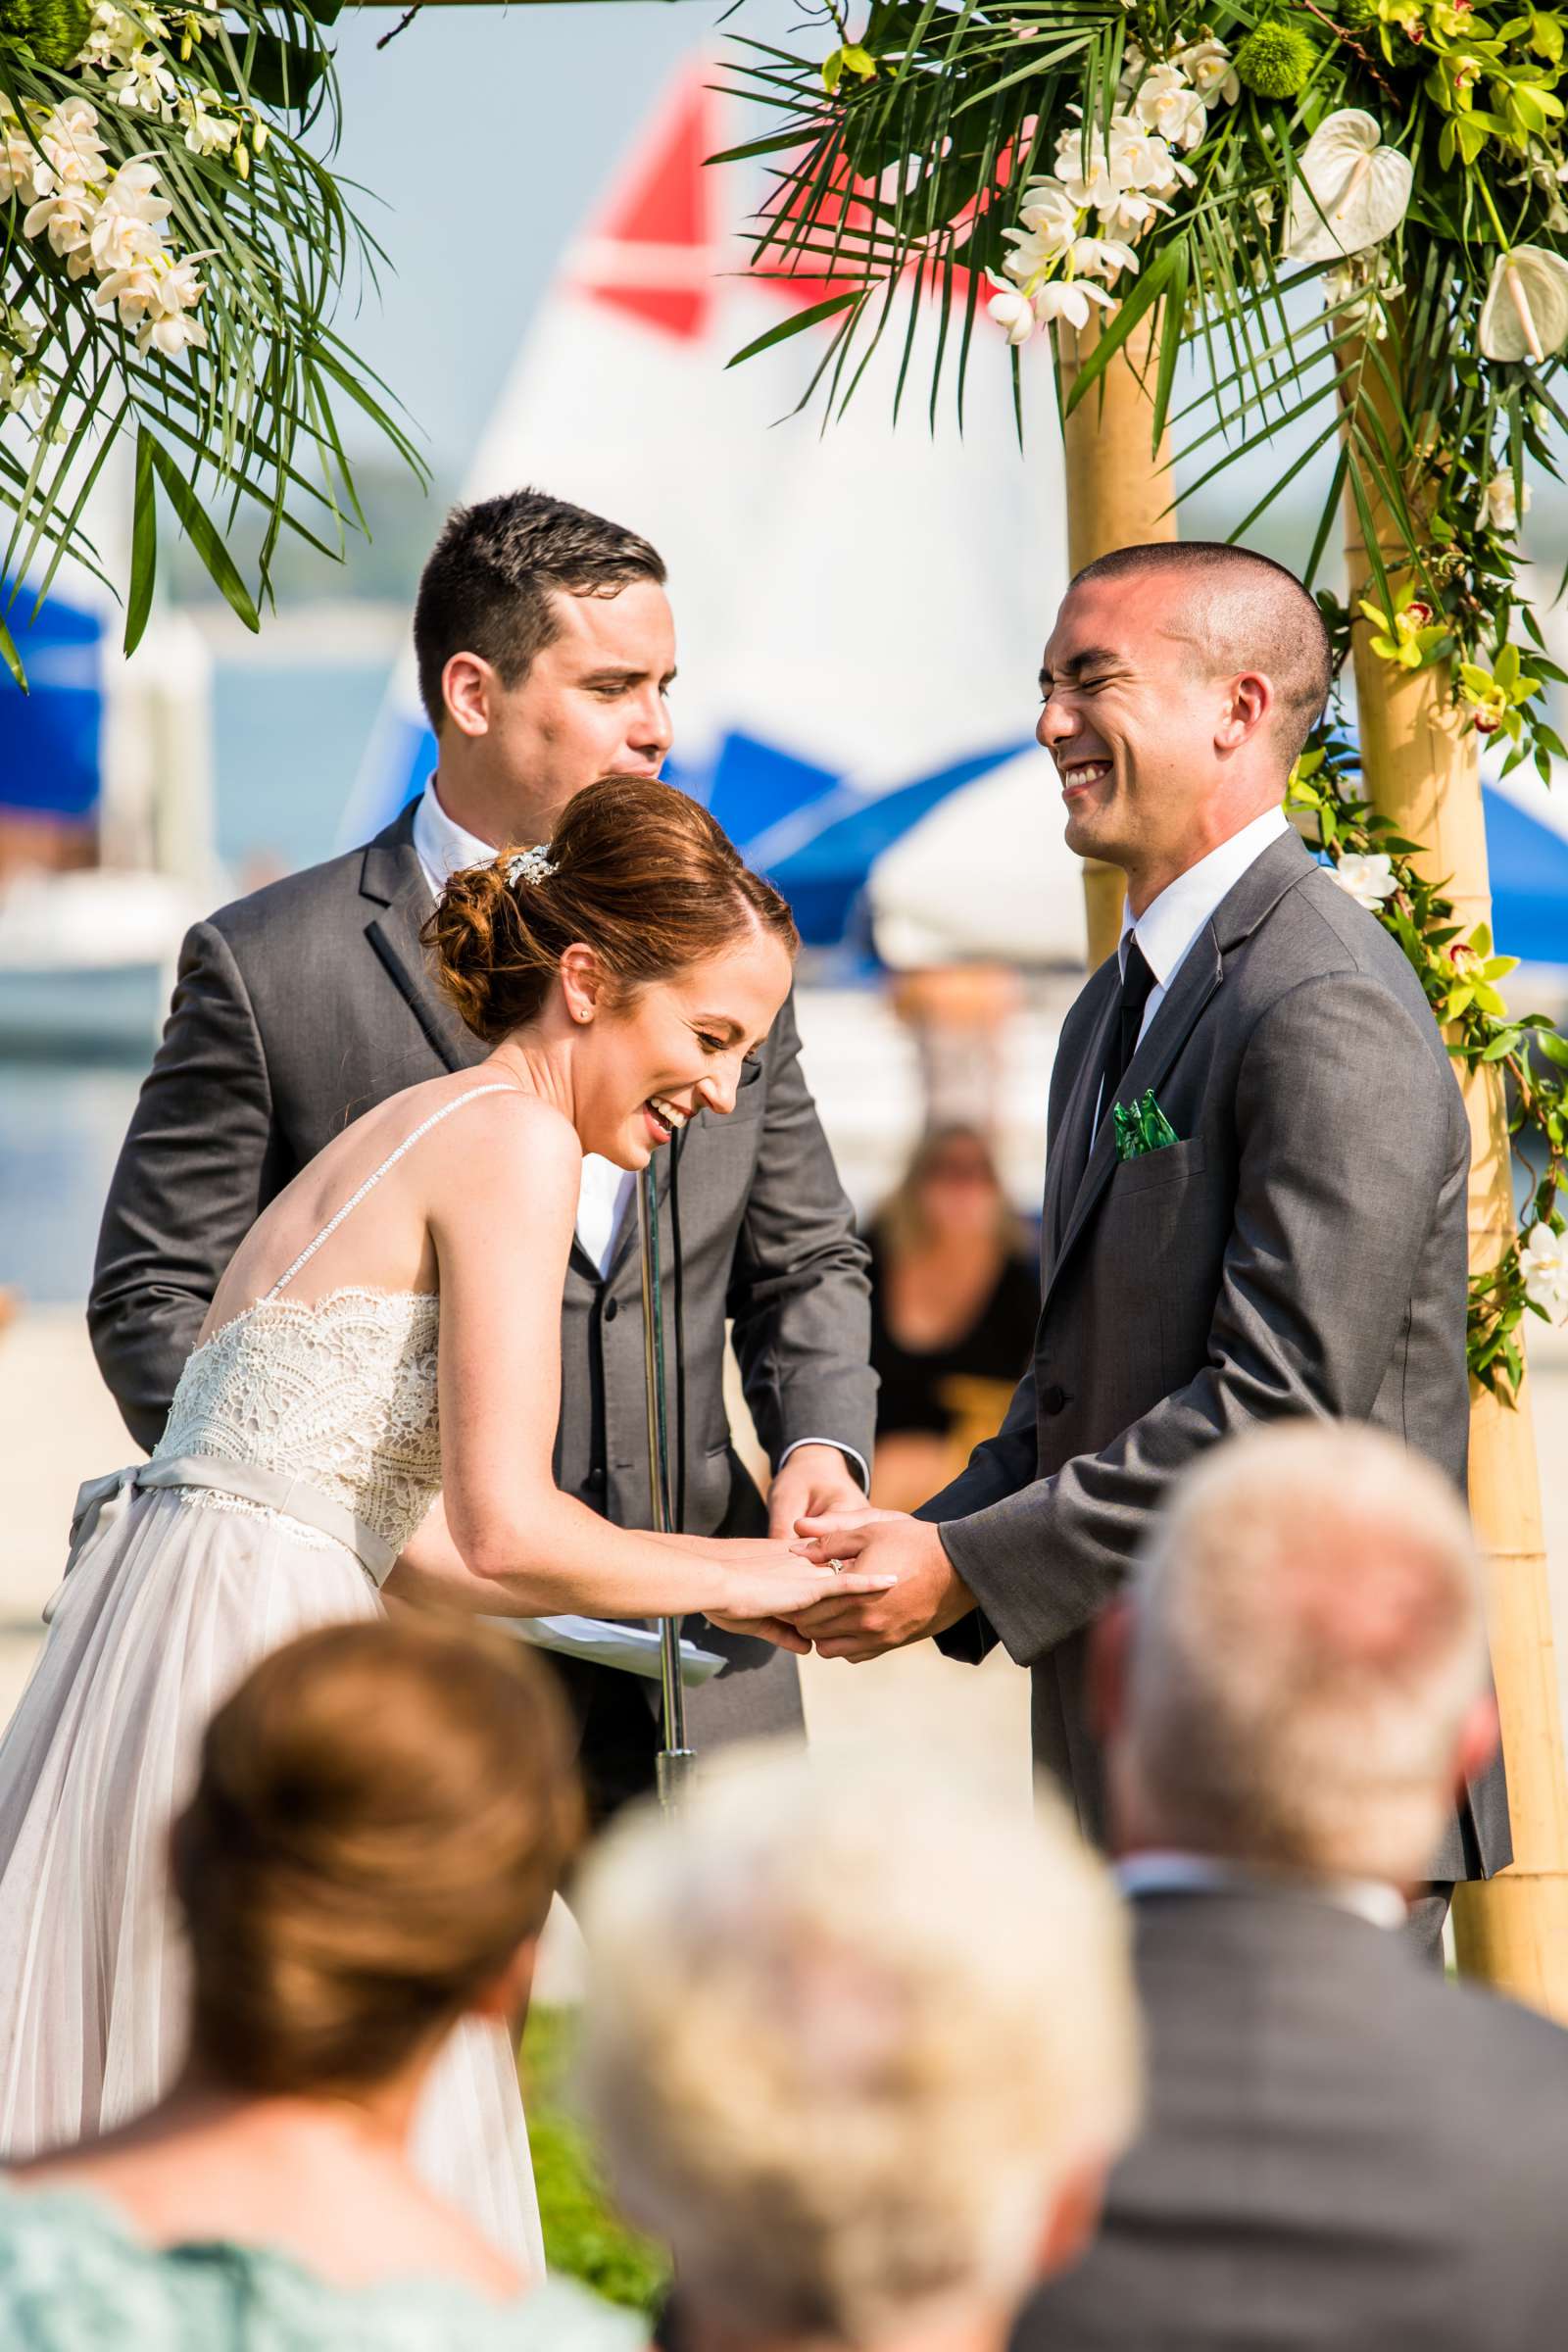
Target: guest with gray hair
pixel 1341 2149
pixel 858 2049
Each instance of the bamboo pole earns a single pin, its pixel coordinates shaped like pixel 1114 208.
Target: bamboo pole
pixel 1117 484
pixel 1421 767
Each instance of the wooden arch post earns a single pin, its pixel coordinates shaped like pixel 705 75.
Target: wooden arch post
pixel 1421 768
pixel 1118 485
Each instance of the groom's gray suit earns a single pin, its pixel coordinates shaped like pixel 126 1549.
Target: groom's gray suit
pixel 301 1006
pixel 1300 1249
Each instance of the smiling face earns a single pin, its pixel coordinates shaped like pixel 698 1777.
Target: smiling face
pixel 1160 758
pixel 676 1048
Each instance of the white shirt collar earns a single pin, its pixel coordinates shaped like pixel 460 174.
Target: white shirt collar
pixel 1168 926
pixel 1167 1872
pixel 442 846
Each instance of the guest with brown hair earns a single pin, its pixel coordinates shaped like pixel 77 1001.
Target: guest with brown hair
pixel 954 1298
pixel 383 1813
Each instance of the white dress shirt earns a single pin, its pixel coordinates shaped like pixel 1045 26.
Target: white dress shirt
pixel 1167 1872
pixel 443 847
pixel 1169 927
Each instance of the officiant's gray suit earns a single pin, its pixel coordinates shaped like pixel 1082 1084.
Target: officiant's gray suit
pixel 1300 1249
pixel 302 1006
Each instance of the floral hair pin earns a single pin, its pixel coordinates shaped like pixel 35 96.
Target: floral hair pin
pixel 529 865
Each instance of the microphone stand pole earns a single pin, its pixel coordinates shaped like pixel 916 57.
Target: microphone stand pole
pixel 676 1759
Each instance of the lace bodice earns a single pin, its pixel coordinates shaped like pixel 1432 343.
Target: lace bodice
pixel 340 1392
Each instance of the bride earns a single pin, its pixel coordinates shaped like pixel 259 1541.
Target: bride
pixel 370 1407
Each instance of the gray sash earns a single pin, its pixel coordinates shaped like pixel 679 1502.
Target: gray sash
pixel 103 1500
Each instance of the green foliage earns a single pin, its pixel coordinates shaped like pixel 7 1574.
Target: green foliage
pixel 1461 977
pixel 232 403
pixel 1276 60
pixel 582 2237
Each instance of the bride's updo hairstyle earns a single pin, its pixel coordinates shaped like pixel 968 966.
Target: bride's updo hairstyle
pixel 636 870
pixel 383 1814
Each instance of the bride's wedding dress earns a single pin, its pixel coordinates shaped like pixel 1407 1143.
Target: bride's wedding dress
pixel 302 1449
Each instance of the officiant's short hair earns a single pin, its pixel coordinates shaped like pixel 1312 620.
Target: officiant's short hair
pixel 1272 625
pixel 493 575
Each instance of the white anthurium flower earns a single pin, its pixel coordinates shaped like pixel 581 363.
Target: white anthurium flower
pixel 1350 191
pixel 1207 66
pixel 1101 257
pixel 1070 299
pixel 1368 878
pixel 1012 311
pixel 1502 509
pixel 1543 1263
pixel 1166 101
pixel 1525 315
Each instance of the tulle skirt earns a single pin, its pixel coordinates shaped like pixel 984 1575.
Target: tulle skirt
pixel 167 1609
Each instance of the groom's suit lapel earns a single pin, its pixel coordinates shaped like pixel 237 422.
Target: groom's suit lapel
pixel 1237 915
pixel 1071 1146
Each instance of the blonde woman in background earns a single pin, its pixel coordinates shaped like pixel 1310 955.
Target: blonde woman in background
pixel 858 2050
pixel 383 1812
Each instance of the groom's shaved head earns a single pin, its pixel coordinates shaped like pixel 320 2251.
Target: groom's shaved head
pixel 1238 612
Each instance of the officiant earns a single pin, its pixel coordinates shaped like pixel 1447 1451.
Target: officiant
pixel 545 645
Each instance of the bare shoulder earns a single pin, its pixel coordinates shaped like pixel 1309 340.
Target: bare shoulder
pixel 506 1138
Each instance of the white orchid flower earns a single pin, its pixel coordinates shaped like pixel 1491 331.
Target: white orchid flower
pixel 1368 878
pixel 1525 314
pixel 1168 103
pixel 1543 1262
pixel 1012 311
pixel 1070 299
pixel 1500 508
pixel 1101 257
pixel 67 221
pixel 1351 190
pixel 1207 66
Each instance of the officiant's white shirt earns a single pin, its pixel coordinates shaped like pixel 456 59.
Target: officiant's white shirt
pixel 443 847
pixel 1167 929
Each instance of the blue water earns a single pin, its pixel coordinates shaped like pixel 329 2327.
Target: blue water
pixel 287 747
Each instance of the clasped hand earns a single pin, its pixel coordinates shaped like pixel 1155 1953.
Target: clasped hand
pixel 924 1593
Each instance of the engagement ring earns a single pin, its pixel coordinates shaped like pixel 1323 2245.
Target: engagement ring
pixel 837 1567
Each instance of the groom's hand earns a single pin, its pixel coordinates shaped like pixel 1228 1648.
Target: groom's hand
pixel 928 1598
pixel 816 1482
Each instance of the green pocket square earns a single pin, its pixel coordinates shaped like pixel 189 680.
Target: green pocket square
pixel 1142 1127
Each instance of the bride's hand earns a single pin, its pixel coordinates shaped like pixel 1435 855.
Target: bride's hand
pixel 769 1584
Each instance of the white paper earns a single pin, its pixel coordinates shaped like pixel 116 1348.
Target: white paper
pixel 632 1648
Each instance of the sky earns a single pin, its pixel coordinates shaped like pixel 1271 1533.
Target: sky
pixel 482 134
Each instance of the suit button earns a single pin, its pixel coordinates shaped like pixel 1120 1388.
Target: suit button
pixel 1054 1399
pixel 596 1478
pixel 612 1309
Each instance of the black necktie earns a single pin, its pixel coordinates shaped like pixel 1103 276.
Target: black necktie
pixel 1137 981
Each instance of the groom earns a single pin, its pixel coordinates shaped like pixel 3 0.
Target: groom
pixel 546 648
pixel 1295 1243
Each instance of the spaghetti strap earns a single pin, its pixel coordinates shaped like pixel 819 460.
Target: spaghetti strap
pixel 376 1174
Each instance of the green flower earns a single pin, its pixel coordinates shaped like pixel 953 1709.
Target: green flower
pixel 53 30
pixel 1275 60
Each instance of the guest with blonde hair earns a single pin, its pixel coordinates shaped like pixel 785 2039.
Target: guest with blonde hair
pixel 383 1813
pixel 858 2049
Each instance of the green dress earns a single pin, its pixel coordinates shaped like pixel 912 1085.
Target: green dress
pixel 74 2277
